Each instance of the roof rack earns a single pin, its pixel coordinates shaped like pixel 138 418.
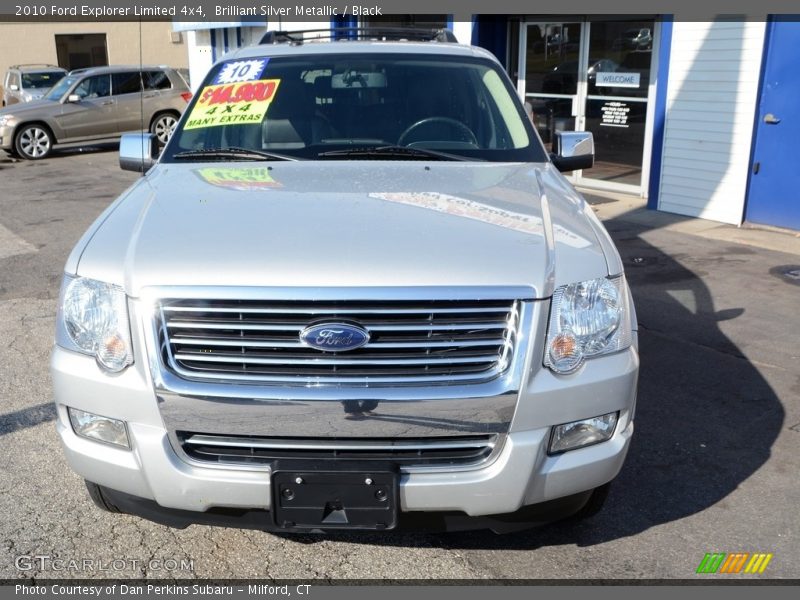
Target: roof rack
pixel 383 34
pixel 49 66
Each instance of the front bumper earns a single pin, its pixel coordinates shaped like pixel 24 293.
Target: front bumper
pixel 6 137
pixel 521 474
pixel 261 520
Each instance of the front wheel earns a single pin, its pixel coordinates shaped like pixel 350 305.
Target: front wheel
pixel 163 126
pixel 33 142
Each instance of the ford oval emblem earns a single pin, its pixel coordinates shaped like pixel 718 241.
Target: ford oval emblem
pixel 334 337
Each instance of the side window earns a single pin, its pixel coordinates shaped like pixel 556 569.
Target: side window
pixel 127 82
pixel 94 87
pixel 156 80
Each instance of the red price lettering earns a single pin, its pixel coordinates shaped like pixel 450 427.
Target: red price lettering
pixel 219 95
pixel 243 92
pixel 266 90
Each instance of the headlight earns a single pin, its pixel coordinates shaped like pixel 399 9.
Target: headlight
pixel 93 319
pixel 5 120
pixel 587 319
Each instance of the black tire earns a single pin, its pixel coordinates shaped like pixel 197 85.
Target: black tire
pixel 99 499
pixel 33 141
pixel 163 126
pixel 595 503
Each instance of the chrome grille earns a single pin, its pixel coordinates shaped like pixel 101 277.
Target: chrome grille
pixel 411 342
pixel 459 451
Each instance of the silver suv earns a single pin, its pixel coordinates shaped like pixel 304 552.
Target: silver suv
pixel 353 292
pixel 96 103
pixel 25 83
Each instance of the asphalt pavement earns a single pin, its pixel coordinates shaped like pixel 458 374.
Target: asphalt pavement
pixel 713 466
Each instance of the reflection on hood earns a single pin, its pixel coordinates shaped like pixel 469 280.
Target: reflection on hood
pixel 470 209
pixel 243 179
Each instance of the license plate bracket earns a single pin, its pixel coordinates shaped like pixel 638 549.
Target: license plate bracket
pixel 334 495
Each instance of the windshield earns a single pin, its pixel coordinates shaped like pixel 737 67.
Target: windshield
pixel 60 88
pixel 357 106
pixel 40 80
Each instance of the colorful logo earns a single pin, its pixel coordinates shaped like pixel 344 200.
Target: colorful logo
pixel 736 562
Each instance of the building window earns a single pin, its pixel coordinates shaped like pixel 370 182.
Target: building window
pixel 79 51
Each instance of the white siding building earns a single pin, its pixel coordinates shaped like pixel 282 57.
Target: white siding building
pixel 714 70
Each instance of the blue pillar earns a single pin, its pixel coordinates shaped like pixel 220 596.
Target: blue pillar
pixel 343 21
pixel 660 112
pixel 491 32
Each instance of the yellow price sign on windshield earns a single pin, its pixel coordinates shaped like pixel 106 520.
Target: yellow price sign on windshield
pixel 232 104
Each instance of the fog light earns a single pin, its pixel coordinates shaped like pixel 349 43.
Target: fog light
pixel 586 432
pixel 101 429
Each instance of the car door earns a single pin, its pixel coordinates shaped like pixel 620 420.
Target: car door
pixel 92 114
pixel 127 89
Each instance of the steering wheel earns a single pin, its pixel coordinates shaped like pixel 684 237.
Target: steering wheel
pixel 471 138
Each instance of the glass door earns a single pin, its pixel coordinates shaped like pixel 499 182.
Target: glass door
pixel 617 88
pixel 549 75
pixel 591 76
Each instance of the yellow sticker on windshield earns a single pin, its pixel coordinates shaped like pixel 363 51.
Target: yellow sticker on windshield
pixel 232 104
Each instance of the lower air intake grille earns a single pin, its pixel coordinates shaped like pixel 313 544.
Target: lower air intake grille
pixel 424 452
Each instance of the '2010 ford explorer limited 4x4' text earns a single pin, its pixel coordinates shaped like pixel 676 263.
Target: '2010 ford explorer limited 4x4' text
pixel 354 290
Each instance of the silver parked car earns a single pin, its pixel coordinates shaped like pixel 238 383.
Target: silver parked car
pixel 96 103
pixel 353 292
pixel 25 83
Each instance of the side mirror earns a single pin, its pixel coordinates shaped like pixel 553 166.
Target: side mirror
pixel 573 150
pixel 14 87
pixel 73 98
pixel 138 151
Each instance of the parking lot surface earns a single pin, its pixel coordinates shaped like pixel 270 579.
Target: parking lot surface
pixel 713 466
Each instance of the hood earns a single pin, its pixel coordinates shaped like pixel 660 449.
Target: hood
pixel 32 106
pixel 347 224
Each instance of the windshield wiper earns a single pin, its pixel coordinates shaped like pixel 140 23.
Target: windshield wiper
pixel 232 153
pixel 389 152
